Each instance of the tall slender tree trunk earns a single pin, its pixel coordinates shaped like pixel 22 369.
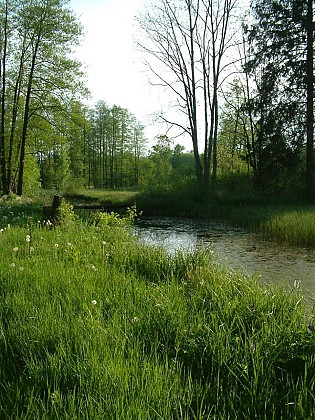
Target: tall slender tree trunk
pixel 17 91
pixel 310 99
pixel 26 118
pixel 3 86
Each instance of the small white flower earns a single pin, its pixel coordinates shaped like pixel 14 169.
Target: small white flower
pixel 94 302
pixel 9 226
pixel 135 320
pixel 12 265
pixel 69 244
pixel 103 243
pixel 31 249
pixel 21 268
pixel 94 268
pixel 56 245
pixel 15 249
pixel 28 239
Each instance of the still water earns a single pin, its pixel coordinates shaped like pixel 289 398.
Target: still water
pixel 235 247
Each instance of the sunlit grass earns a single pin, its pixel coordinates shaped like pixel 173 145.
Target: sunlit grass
pixel 95 325
pixel 294 225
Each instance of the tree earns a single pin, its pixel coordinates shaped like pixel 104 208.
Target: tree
pixel 115 143
pixel 187 42
pixel 234 147
pixel 282 64
pixel 36 47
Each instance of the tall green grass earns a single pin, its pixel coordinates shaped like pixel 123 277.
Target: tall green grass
pixel 292 224
pixel 95 325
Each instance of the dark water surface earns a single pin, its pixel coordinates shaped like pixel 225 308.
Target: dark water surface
pixel 235 247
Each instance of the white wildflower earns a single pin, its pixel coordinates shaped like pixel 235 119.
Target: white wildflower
pixel 15 249
pixel 56 245
pixel 94 302
pixel 12 265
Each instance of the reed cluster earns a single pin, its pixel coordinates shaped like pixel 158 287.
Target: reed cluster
pixel 294 225
pixel 96 325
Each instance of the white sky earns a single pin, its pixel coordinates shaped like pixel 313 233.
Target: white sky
pixel 114 68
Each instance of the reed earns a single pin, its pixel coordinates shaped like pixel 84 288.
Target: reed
pixel 294 225
pixel 93 324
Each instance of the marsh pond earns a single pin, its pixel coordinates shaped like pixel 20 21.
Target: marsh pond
pixel 235 247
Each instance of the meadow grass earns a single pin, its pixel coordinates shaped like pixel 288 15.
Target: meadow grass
pixel 96 325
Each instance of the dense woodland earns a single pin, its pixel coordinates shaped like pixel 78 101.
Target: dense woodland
pixel 242 80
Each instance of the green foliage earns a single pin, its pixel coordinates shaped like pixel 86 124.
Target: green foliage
pixel 32 181
pixel 115 219
pixel 281 117
pixel 65 214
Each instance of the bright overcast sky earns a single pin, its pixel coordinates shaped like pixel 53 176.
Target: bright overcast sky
pixel 115 70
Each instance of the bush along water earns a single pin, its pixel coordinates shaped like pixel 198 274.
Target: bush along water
pixel 94 324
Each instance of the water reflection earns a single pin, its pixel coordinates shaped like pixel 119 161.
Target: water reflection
pixel 236 248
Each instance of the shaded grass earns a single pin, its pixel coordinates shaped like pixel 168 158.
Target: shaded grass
pixel 95 325
pixel 97 196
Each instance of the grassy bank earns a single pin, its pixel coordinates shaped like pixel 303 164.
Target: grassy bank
pixel 95 325
pixel 275 219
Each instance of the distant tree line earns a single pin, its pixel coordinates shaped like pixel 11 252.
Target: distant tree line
pixel 100 147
